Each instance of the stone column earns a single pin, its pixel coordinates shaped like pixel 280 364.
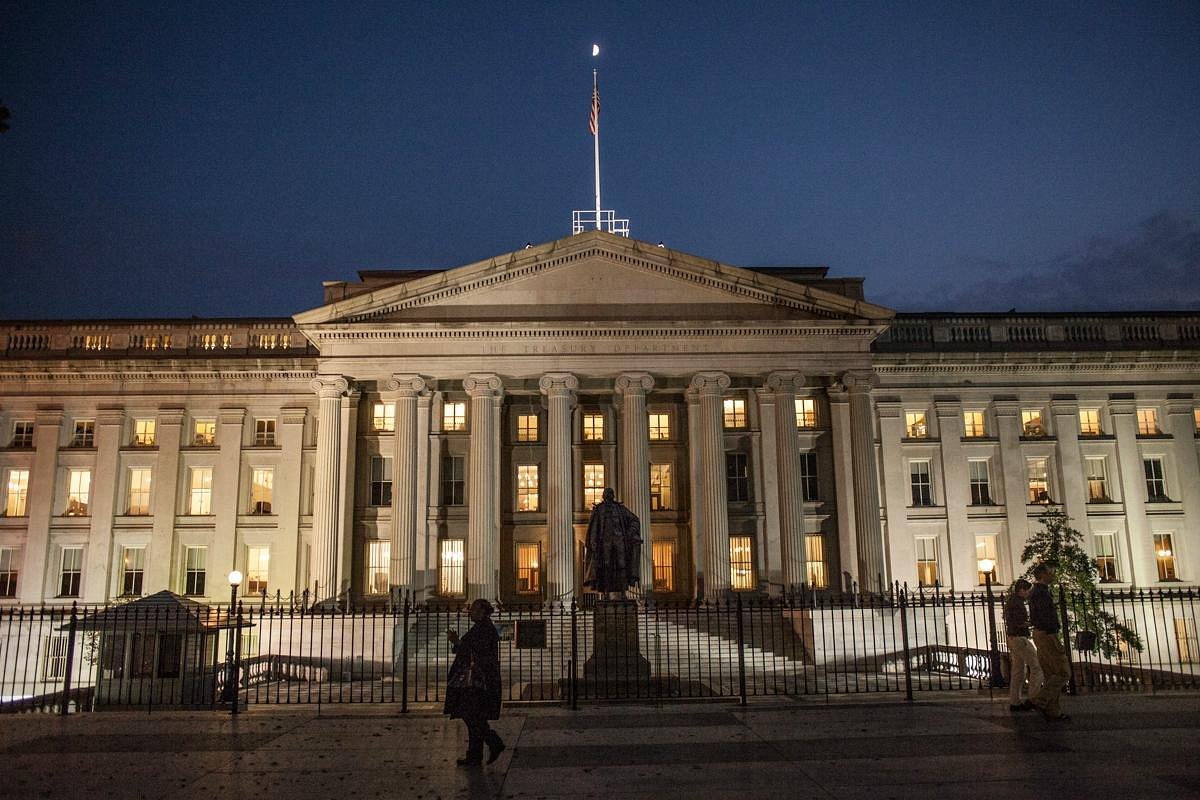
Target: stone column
pixel 47 437
pixel 483 523
pixel 635 462
pixel 710 387
pixel 164 498
pixel 226 500
pixel 843 476
pixel 406 390
pixel 326 484
pixel 287 573
pixel 347 453
pixel 1181 424
pixel 1012 474
pixel 696 547
pixel 1065 410
pixel 783 386
pixel 1143 569
pixel 872 564
pixel 956 491
pixel 106 480
pixel 559 482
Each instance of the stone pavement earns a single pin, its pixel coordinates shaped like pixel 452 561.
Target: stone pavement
pixel 1117 746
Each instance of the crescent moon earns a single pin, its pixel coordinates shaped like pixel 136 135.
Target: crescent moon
pixel 595 50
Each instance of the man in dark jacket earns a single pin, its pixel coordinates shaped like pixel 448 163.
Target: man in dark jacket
pixel 612 560
pixel 1043 618
pixel 1021 651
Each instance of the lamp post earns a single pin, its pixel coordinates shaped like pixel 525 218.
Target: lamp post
pixel 230 693
pixel 986 565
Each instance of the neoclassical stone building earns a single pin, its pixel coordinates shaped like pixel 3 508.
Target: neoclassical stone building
pixel 446 432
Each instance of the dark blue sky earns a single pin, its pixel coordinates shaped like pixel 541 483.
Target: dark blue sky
pixel 171 159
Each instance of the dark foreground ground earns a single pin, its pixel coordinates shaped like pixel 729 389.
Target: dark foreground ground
pixel 963 747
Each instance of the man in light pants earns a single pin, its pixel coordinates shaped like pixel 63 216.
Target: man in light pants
pixel 1051 655
pixel 1021 651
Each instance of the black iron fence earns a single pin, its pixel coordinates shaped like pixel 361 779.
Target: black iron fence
pixel 905 641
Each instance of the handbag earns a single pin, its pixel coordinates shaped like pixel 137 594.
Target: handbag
pixel 470 677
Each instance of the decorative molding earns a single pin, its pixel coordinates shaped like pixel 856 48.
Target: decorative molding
pixel 171 415
pixel 293 415
pixel 329 386
pixel 710 382
pixel 633 383
pixel 483 384
pixel 785 382
pixel 408 385
pixel 558 384
pixel 1018 367
pixel 427 331
pixel 231 416
pixel 860 380
pixel 83 376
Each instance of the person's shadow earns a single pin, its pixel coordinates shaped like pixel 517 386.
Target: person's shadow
pixel 483 784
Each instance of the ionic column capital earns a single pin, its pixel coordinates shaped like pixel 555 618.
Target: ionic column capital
pixel 634 383
pixel 859 381
pixel 785 382
pixel 558 384
pixel 483 385
pixel 330 386
pixel 710 383
pixel 408 385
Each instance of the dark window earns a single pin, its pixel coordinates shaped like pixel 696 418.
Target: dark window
pixel 453 481
pixel 922 485
pixel 170 648
pixel 381 481
pixel 737 477
pixel 808 476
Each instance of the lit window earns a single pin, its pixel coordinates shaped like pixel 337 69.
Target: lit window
pixel 921 482
pixel 379 565
pixel 741 563
pixel 809 488
pixel 22 434
pixel 450 581
pixel 381 481
pixel 1185 639
pixel 915 425
pixel 979 474
pixel 734 413
pixel 985 547
pixel 204 433
pixel 262 490
pixel 1156 484
pixel 806 412
pixel 453 481
pixel 1164 553
pixel 814 561
pixel 1089 422
pixel 85 433
pixel 1195 419
pixel 454 416
pixel 527 487
pixel 264 432
pixel 383 417
pixel 139 491
pixel 527 567
pixel 1031 424
pixel 1148 422
pixel 737 477
pixel 71 572
pixel 593 427
pixel 194 572
pixel 1097 480
pixel 660 427
pixel 200 491
pixel 16 493
pixel 10 562
pixel 1037 479
pixel 927 561
pixel 1106 557
pixel 973 426
pixel 663 556
pixel 79 488
pixel 527 428
pixel 143 432
pixel 593 484
pixel 133 568
pixel 660 487
pixel 258 565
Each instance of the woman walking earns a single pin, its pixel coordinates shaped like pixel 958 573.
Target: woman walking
pixel 473 686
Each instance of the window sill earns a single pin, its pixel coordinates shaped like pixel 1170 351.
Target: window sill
pixel 1047 439
pixel 1097 437
pixel 979 439
pixel 140 448
pixel 919 440
pixel 1155 436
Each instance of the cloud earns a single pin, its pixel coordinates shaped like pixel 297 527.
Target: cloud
pixel 1155 267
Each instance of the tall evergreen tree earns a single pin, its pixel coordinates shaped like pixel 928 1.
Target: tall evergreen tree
pixel 1061 546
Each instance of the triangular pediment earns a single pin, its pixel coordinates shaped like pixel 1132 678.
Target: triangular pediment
pixel 594 276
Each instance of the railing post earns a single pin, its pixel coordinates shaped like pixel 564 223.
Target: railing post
pixel 573 689
pixel 741 652
pixel 236 676
pixel 66 691
pixel 404 659
pixel 1066 634
pixel 903 594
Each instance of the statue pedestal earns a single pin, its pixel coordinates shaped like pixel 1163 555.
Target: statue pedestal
pixel 616 667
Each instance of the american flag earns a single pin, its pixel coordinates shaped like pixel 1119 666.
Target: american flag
pixel 594 117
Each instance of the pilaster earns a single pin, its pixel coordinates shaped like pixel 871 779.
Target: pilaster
pixel 287 573
pixel 161 555
pixel 226 502
pixel 1143 571
pixel 46 438
pixel 1012 470
pixel 97 578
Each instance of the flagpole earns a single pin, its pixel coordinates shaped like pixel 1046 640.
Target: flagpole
pixel 596 144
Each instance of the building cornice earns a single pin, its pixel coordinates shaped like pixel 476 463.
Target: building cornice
pixel 40 375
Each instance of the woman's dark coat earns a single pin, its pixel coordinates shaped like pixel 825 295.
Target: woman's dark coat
pixel 483 643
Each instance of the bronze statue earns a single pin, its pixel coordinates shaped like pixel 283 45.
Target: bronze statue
pixel 613 552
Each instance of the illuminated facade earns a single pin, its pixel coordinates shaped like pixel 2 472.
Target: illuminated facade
pixel 446 431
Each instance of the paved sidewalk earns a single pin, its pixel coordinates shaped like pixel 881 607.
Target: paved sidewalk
pixel 1118 746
